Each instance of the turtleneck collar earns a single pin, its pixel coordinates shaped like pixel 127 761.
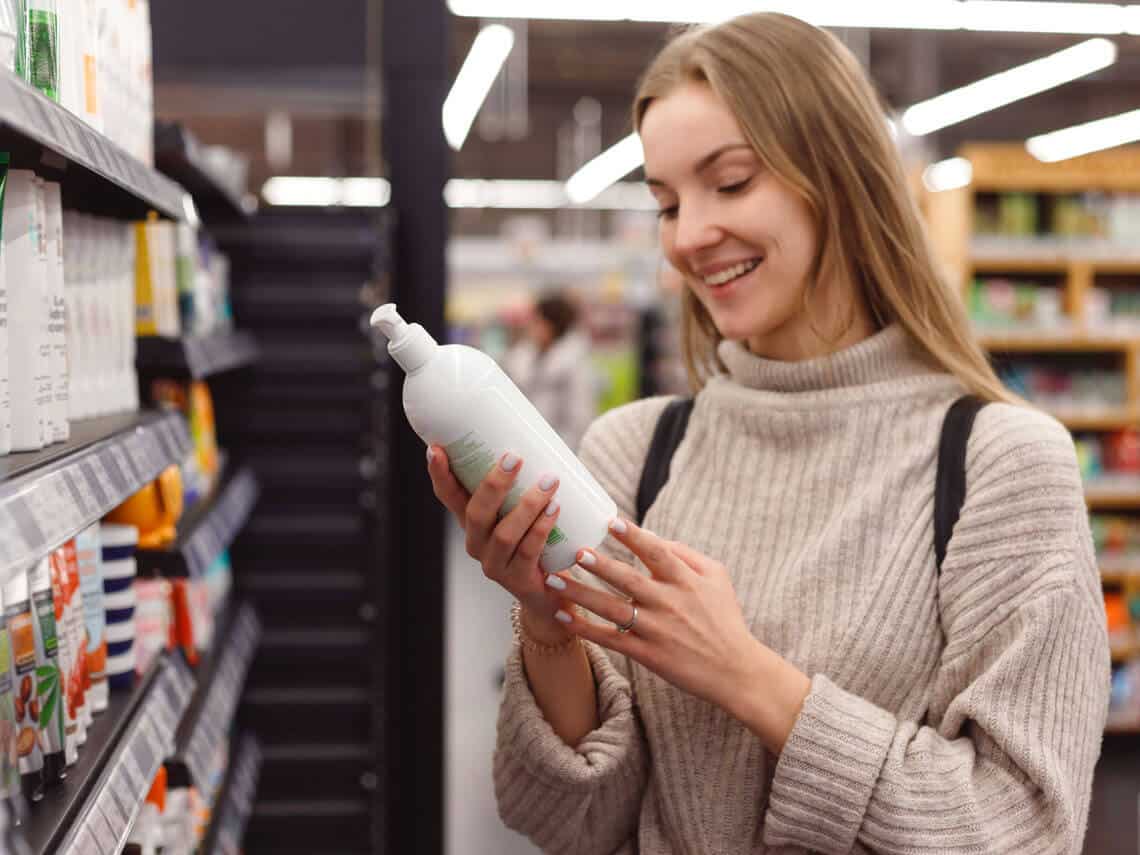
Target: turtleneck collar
pixel 888 355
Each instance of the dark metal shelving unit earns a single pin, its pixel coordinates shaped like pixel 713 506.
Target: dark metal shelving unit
pixel 97 176
pixel 178 154
pixel 48 496
pixel 196 357
pixel 207 529
pixel 94 807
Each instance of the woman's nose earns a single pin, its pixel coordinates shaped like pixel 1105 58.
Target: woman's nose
pixel 695 230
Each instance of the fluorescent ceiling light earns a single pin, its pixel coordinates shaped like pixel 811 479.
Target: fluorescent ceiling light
pixel 459 193
pixel 488 53
pixel 610 166
pixel 322 192
pixel 1008 86
pixel 1044 16
pixel 1022 16
pixel 1089 137
pixel 948 175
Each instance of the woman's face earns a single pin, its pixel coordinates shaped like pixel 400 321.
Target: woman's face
pixel 741 237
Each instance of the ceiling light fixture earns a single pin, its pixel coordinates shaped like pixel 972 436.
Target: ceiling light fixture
pixel 1017 16
pixel 506 194
pixel 607 168
pixel 1085 138
pixel 948 175
pixel 488 53
pixel 1008 86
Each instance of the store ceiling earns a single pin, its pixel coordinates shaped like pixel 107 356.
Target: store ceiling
pixel 311 62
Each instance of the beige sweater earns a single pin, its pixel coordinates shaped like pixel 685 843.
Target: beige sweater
pixel 956 715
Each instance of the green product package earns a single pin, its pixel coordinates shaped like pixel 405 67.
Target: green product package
pixel 37 48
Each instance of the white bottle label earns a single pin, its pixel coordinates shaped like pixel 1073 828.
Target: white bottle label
pixel 471 459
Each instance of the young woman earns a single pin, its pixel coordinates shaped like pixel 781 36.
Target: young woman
pixel 776 663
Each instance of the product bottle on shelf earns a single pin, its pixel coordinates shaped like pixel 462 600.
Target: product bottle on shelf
pixel 9 33
pixel 58 329
pixel 57 573
pixel 87 552
pixel 46 362
pixel 25 305
pixel 81 678
pixel 37 56
pixel 49 677
pixel 20 621
pixel 9 727
pixel 5 397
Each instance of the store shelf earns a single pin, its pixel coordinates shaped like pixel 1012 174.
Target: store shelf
pixel 196 357
pixel 92 811
pixel 100 177
pixel 1092 420
pixel 221 678
pixel 1059 341
pixel 1120 492
pixel 48 496
pixel 178 154
pixel 207 529
pixel 235 800
pixel 1033 255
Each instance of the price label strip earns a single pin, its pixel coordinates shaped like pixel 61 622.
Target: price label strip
pixel 41 509
pixel 114 804
pixel 217 711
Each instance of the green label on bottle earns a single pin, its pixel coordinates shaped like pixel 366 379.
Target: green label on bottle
pixel 43 52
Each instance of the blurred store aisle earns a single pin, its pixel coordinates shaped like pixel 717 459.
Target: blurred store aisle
pixel 479 634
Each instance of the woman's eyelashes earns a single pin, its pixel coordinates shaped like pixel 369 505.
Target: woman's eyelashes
pixel 668 212
pixel 736 187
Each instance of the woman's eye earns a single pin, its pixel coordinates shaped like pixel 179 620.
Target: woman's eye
pixel 734 188
pixel 667 213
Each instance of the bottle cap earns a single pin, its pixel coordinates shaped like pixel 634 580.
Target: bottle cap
pixel 409 344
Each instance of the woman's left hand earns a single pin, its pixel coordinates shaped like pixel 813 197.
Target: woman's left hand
pixel 689 630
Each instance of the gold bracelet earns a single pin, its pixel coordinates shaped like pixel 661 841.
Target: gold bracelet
pixel 526 642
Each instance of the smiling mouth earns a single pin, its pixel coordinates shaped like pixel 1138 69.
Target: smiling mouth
pixel 731 274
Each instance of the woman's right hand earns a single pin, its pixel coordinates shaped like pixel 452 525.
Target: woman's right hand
pixel 509 548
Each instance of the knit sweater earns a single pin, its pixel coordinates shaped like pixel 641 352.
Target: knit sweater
pixel 947 714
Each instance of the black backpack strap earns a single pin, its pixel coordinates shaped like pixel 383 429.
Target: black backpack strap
pixel 667 436
pixel 950 487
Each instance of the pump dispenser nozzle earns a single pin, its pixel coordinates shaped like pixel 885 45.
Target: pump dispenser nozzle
pixel 409 344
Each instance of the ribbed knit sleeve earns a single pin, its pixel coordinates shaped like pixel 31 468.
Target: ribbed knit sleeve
pixel 1004 762
pixel 584 800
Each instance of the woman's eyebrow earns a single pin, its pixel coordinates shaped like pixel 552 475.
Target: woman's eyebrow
pixel 705 162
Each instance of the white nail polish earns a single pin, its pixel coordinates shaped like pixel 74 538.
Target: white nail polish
pixel 562 616
pixel 511 463
pixel 556 582
pixel 547 483
pixel 430 456
pixel 587 559
pixel 619 526
pixel 552 508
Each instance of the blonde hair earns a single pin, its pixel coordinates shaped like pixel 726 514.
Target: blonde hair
pixel 813 118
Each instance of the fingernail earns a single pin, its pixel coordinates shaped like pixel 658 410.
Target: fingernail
pixel 556 582
pixel 587 559
pixel 562 616
pixel 619 526
pixel 547 483
pixel 510 462
pixel 552 508
pixel 430 455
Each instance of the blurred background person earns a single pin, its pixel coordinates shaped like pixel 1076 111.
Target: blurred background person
pixel 551 364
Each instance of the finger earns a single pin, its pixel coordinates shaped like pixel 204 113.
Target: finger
pixel 607 606
pixel 511 529
pixel 628 643
pixel 444 483
pixel 530 547
pixel 482 511
pixel 651 549
pixel 696 561
pixel 621 576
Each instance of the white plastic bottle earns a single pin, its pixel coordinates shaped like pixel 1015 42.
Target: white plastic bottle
pixel 458 398
pixel 60 355
pixel 25 306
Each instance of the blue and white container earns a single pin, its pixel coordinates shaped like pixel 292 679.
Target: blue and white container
pixel 119 543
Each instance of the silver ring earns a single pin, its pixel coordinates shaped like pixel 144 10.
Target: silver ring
pixel 623 628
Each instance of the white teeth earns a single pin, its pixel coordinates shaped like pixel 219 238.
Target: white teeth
pixel 732 272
